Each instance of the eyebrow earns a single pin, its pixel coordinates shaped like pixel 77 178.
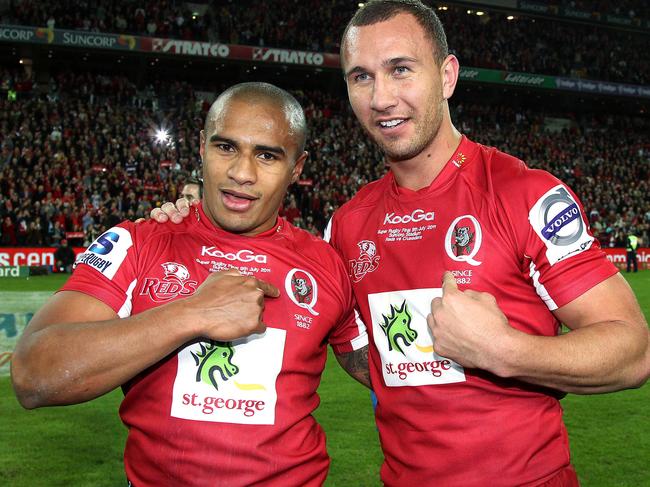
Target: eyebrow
pixel 388 62
pixel 258 147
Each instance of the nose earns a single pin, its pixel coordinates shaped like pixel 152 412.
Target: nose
pixel 243 170
pixel 383 95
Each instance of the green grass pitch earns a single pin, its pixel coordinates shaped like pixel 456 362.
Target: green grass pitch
pixel 82 445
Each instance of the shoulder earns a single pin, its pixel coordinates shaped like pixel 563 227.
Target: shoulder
pixel 366 198
pixel 509 178
pixel 312 247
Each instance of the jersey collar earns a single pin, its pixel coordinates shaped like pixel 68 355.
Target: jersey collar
pixel 461 158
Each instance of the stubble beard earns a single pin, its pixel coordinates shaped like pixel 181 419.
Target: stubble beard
pixel 425 133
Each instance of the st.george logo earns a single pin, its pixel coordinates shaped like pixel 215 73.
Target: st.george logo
pixel 397 328
pixel 214 358
pixel 368 260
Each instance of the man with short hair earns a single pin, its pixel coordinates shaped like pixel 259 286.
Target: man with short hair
pixel 464 262
pixel 192 190
pixel 215 328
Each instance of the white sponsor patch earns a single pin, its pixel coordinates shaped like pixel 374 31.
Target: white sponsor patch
pixel 230 382
pixel 557 219
pixel 405 344
pixel 107 253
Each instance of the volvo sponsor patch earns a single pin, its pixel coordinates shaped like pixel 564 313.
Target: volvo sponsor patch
pixel 557 219
pixel 107 253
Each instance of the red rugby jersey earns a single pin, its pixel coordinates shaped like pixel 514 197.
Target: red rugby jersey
pixel 235 413
pixel 499 227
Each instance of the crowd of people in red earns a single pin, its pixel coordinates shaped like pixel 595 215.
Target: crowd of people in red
pixel 84 156
pixel 524 44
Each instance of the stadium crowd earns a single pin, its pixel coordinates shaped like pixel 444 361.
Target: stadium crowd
pixel 84 155
pixel 525 44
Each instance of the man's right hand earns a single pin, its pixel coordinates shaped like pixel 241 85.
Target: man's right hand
pixel 176 213
pixel 228 305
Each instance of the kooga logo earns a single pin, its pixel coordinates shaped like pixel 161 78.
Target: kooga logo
pixel 243 255
pixel 417 216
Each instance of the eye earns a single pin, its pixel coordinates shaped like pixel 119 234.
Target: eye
pixel 268 156
pixel 401 70
pixel 361 77
pixel 224 147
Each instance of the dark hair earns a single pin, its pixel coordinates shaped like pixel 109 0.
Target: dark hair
pixel 376 11
pixel 198 182
pixel 257 91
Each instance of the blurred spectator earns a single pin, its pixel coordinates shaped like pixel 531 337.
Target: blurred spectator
pixel 192 190
pixel 107 164
pixel 64 257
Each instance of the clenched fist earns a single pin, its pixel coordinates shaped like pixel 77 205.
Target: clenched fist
pixel 228 305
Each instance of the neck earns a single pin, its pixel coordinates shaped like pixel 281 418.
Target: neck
pixel 420 171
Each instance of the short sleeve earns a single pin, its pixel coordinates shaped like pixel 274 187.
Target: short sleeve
pixel 563 257
pixel 107 270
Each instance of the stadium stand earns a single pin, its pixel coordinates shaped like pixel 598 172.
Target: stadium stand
pixel 79 152
pixel 84 156
pixel 488 41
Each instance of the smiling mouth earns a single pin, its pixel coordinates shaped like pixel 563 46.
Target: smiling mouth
pixel 389 124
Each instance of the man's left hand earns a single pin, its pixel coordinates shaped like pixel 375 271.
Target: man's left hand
pixel 468 326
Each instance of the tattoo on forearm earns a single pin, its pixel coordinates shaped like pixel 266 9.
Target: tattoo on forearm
pixel 356 364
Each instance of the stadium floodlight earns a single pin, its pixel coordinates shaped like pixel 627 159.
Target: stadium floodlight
pixel 161 136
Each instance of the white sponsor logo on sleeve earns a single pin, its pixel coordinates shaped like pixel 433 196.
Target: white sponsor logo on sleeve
pixel 107 253
pixel 557 219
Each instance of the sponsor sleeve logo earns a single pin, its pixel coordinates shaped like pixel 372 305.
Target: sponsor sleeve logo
pixel 302 289
pixel 107 253
pixel 557 219
pixel 463 239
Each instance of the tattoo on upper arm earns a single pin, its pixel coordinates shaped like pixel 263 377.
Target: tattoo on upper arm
pixel 355 363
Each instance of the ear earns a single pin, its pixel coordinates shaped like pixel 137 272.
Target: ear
pixel 298 166
pixel 449 74
pixel 202 144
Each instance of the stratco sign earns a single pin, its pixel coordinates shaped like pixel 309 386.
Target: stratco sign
pixel 288 57
pixel 190 48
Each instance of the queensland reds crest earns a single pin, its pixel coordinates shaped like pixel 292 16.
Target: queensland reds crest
pixel 302 289
pixel 176 282
pixel 368 260
pixel 463 239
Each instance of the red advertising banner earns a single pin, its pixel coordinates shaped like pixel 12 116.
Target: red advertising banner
pixel 619 257
pixel 30 256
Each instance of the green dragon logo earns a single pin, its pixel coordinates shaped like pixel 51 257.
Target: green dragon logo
pixel 396 326
pixel 212 358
